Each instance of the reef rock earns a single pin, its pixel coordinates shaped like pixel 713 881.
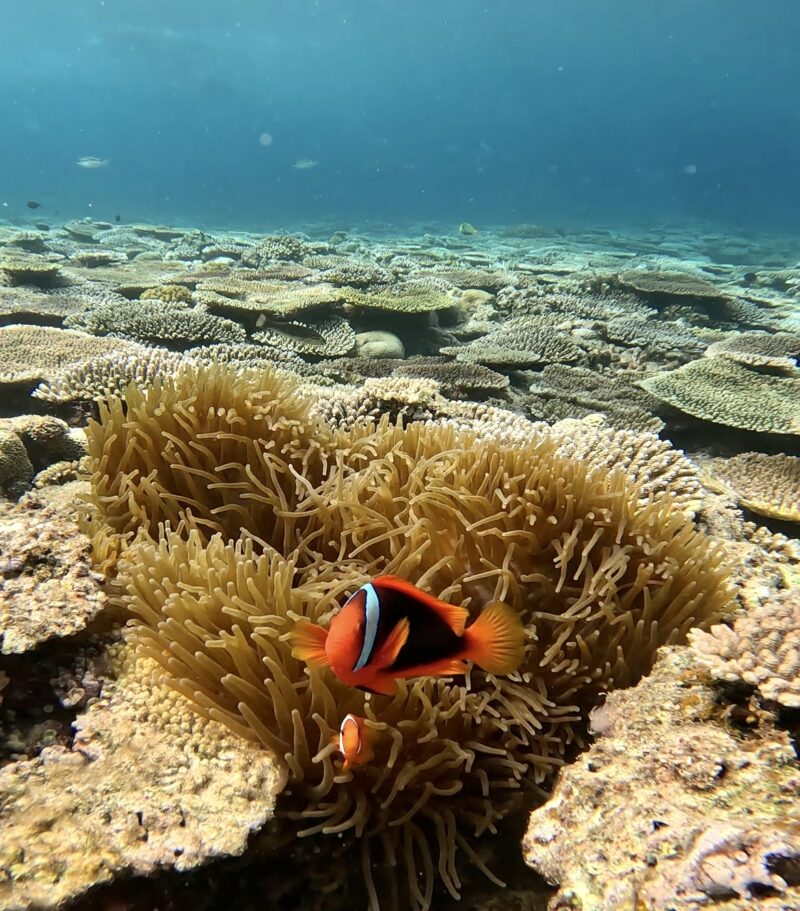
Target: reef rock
pixel 47 586
pixel 146 785
pixel 669 809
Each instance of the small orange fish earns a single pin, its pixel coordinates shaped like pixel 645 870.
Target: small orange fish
pixel 390 630
pixel 354 741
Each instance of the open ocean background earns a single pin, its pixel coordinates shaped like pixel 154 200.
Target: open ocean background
pixel 571 113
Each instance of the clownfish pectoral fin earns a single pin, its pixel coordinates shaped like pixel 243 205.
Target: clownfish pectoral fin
pixel 308 644
pixel 390 649
pixel 496 640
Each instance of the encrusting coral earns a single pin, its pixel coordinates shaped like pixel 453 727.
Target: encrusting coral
pixel 237 512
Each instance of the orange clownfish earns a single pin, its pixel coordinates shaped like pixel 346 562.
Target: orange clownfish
pixel 354 741
pixel 390 630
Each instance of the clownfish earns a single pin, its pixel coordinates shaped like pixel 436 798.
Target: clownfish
pixel 390 630
pixel 354 741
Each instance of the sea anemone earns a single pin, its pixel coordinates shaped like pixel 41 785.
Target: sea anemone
pixel 236 513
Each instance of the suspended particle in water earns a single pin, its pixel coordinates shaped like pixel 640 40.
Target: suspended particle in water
pixel 265 139
pixel 690 169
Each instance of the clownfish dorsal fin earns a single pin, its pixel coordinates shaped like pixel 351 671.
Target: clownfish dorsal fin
pixel 308 644
pixel 453 615
pixel 390 649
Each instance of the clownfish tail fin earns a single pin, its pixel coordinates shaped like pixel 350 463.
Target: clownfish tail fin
pixel 308 644
pixel 495 641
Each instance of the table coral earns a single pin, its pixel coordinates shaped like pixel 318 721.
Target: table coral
pixel 779 350
pixel 524 341
pixel 765 484
pixel 722 391
pixel 30 354
pixel 323 338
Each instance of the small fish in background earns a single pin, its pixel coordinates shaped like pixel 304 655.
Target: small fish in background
pixel 466 228
pixel 91 163
pixel 117 218
pixel 391 630
pixel 354 741
pixel 32 204
pixel 304 164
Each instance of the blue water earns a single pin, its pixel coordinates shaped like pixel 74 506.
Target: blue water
pixel 567 112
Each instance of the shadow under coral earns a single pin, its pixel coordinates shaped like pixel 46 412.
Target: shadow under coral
pixel 226 511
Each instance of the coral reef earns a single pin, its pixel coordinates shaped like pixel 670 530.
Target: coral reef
pixel 30 354
pixel 669 810
pixel 48 587
pixel 762 649
pixel 158 322
pixel 768 485
pixel 521 342
pixel 723 391
pixel 147 785
pixel 238 466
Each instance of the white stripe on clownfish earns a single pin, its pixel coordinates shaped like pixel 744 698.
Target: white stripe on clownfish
pixel 372 611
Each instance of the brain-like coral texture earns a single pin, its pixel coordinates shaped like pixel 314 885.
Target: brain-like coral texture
pixel 274 516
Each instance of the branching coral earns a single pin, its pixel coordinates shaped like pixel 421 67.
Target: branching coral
pixel 762 648
pixel 274 516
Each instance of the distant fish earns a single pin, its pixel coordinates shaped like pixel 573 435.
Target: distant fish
pixel 690 169
pixel 466 228
pixel 90 162
pixel 32 204
pixel 305 164
pixel 117 218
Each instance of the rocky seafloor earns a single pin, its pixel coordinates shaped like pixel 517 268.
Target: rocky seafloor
pixel 656 370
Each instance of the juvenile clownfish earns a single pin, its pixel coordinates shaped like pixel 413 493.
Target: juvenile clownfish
pixel 390 630
pixel 354 741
